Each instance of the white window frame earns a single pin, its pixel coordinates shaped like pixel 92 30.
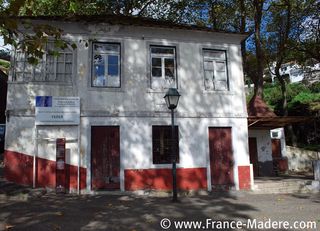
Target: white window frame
pixel 106 64
pixel 214 63
pixel 42 69
pixel 163 57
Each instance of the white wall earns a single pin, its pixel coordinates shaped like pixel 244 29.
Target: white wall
pixel 135 107
pixel 264 145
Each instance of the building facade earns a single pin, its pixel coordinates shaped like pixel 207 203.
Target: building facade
pixel 120 72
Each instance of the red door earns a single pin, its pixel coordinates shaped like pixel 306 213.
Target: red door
pixel 221 158
pixel 276 148
pixel 253 153
pixel 105 157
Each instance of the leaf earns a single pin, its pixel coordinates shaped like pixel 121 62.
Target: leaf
pixel 33 60
pixel 74 46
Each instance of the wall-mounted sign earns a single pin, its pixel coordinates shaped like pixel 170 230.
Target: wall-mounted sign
pixel 51 110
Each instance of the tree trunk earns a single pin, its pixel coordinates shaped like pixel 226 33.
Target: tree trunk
pixel 242 30
pixel 258 81
pixel 284 108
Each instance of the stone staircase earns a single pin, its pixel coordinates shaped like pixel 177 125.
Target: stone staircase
pixel 283 186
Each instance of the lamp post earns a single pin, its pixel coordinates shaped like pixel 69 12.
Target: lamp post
pixel 172 98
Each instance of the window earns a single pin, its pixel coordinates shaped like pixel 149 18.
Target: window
pixel 106 65
pixel 163 67
pixel 51 68
pixel 162 143
pixel 215 70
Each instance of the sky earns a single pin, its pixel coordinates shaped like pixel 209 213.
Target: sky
pixel 2 47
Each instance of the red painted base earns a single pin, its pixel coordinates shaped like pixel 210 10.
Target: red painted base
pixel 161 179
pixel 244 177
pixel 18 168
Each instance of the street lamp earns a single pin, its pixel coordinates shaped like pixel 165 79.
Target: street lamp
pixel 172 98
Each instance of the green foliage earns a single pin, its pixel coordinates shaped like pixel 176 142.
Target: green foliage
pixel 302 99
pixel 4 63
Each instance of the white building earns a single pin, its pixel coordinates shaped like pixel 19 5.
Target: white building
pixel 119 73
pixel 297 72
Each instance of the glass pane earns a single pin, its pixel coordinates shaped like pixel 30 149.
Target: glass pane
pixel 169 72
pixel 162 50
pixel 220 66
pixel 221 85
pixel 113 59
pixel 61 77
pixel 208 75
pixel 20 66
pixel 51 77
pixel 60 58
pixel 114 81
pixel 113 70
pixel 38 77
pixel 105 48
pixel 208 65
pixel 69 57
pixel 156 72
pixel 99 70
pixel 156 62
pixel 214 54
pixel 68 68
pixel 99 81
pixel 50 68
pixel 60 68
pixel 98 59
pixel 169 63
pixel 221 75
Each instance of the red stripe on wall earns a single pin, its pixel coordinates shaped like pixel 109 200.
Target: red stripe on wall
pixel 19 169
pixel 161 179
pixel 244 177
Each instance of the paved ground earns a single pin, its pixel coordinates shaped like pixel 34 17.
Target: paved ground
pixel 130 212
pixel 22 208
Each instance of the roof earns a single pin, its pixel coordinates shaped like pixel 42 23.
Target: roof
pixel 258 108
pixel 128 20
pixel 262 117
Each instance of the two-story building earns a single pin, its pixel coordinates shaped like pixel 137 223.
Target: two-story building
pixel 100 106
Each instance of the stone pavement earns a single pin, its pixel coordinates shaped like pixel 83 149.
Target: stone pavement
pixel 131 212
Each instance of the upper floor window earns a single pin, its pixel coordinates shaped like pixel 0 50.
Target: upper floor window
pixel 163 67
pixel 106 65
pixel 215 70
pixel 51 68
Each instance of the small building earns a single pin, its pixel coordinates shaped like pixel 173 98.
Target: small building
pixel 94 118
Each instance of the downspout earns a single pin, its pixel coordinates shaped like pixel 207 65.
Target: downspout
pixel 35 154
pixel 79 156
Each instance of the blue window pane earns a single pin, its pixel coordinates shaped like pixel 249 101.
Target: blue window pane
pixel 113 70
pixel 99 70
pixel 113 59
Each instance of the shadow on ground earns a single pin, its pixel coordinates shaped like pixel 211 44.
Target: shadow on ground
pixel 116 212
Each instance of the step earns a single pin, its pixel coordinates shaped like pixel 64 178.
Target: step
pixel 269 187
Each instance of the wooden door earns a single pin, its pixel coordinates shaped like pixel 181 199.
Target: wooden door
pixel 221 158
pixel 253 153
pixel 105 158
pixel 276 148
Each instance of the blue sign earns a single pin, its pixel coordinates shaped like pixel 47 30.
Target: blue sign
pixel 43 101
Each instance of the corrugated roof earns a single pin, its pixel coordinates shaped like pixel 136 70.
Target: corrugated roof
pixel 127 20
pixel 262 117
pixel 258 108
